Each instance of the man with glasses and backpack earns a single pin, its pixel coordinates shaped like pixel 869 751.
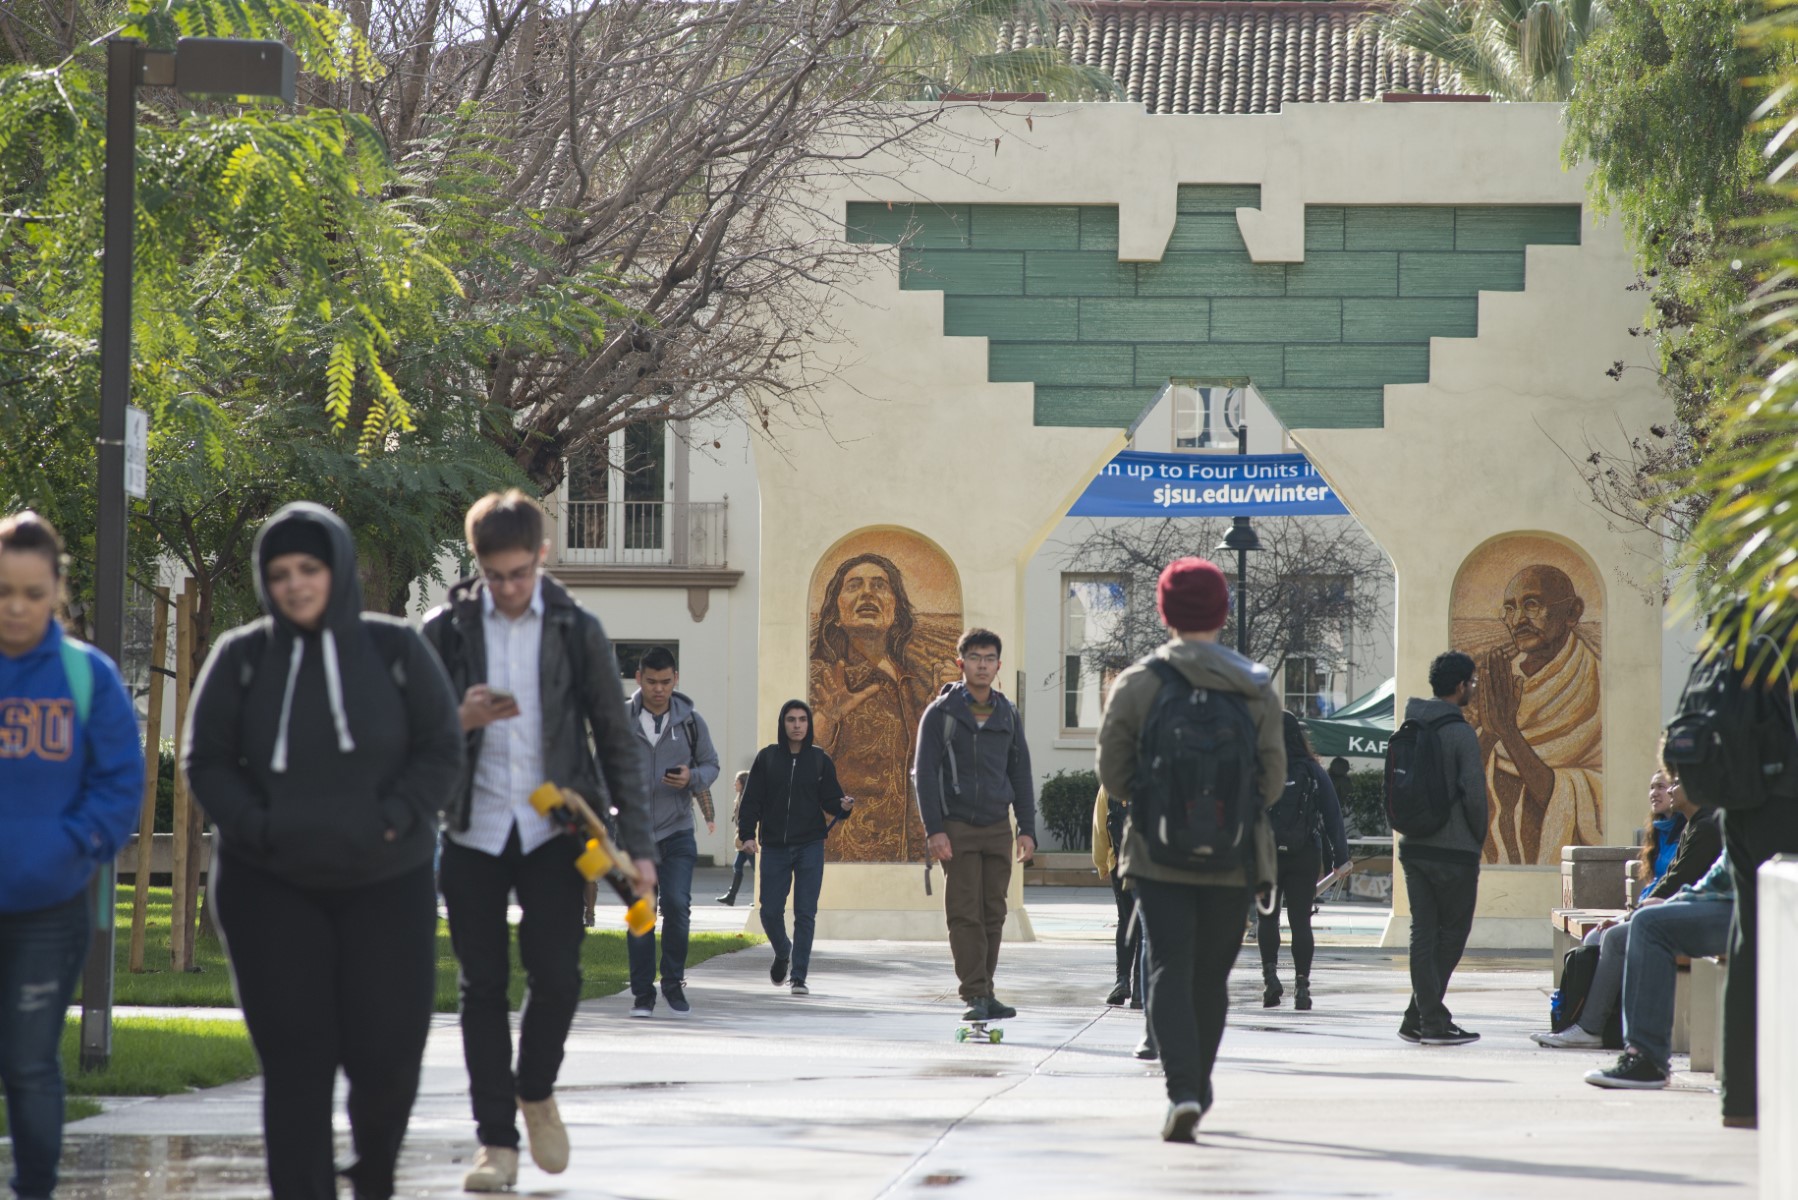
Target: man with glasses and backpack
pixel 1191 744
pixel 973 775
pixel 1436 800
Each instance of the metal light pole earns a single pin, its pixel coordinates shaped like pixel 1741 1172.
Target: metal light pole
pixel 197 66
pixel 1242 538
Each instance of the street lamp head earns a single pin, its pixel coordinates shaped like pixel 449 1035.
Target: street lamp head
pixel 1242 536
pixel 234 67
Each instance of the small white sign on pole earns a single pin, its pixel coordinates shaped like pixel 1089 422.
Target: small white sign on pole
pixel 137 452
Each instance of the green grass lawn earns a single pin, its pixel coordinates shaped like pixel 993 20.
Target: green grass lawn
pixel 155 1056
pixel 604 967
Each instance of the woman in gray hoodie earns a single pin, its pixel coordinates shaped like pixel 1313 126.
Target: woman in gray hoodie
pixel 322 742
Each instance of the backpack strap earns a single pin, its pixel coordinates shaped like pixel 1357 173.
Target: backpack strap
pixel 79 669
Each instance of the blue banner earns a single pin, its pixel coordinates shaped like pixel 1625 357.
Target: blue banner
pixel 1135 484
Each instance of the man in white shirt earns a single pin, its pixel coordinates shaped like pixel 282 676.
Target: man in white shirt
pixel 535 672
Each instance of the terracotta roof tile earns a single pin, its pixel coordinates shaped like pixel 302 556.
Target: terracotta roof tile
pixel 1236 56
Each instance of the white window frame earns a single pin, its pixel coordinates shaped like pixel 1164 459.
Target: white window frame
pixel 1198 413
pixel 1078 685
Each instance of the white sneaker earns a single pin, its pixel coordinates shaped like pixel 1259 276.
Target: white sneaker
pixel 1570 1038
pixel 495 1170
pixel 548 1136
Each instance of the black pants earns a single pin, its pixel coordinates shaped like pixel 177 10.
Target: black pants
pixel 1442 897
pixel 476 890
pixel 1297 889
pixel 1751 836
pixel 1126 940
pixel 332 977
pixel 1194 934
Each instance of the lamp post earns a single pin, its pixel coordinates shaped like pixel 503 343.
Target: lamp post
pixel 196 66
pixel 1242 538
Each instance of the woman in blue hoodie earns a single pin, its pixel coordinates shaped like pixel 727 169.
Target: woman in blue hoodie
pixel 71 780
pixel 322 741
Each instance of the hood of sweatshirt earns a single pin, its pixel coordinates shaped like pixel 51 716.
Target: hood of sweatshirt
pixel 1215 665
pixel 343 613
pixel 780 725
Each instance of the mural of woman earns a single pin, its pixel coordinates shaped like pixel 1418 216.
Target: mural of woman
pixel 876 661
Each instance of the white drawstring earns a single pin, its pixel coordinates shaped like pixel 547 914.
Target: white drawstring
pixel 333 688
pixel 278 764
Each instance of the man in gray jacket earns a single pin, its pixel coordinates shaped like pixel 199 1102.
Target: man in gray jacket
pixel 682 767
pixel 973 774
pixel 1442 869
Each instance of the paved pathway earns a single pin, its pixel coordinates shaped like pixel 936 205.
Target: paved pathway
pixel 859 1092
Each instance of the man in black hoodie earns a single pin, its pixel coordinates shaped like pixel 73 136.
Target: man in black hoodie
pixel 321 742
pixel 1442 869
pixel 973 774
pixel 792 785
pixel 535 672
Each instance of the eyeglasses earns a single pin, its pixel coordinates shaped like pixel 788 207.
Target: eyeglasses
pixel 523 574
pixel 1533 609
pixel 985 660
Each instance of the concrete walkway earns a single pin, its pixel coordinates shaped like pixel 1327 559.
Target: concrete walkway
pixel 860 1092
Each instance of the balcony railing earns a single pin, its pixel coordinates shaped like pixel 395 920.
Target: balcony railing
pixel 646 533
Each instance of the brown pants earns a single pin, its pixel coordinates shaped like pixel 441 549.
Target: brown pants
pixel 975 881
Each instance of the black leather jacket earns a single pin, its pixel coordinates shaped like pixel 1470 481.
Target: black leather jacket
pixel 581 688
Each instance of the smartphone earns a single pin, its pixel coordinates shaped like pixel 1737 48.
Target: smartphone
pixel 498 696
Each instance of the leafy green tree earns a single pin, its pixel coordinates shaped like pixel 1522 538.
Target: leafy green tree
pixel 1507 49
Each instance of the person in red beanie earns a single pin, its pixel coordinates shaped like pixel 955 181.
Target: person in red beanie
pixel 1194 915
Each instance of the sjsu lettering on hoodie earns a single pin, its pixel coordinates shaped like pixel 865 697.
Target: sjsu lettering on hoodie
pixel 42 729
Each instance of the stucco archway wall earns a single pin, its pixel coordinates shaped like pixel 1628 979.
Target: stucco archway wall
pixel 1439 447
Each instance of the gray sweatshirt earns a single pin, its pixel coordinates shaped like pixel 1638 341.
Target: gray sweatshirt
pixel 1463 839
pixel 987 777
pixel 684 742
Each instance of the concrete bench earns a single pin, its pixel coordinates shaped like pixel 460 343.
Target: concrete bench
pixel 1704 1039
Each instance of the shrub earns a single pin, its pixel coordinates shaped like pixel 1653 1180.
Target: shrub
pixel 1364 804
pixel 1065 803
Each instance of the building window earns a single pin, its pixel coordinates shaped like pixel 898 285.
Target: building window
pixel 1205 416
pixel 1092 619
pixel 618 491
pixel 631 653
pixel 1307 690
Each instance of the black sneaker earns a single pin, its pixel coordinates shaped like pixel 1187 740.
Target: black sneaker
pixel 1146 1049
pixel 1632 1071
pixel 998 1010
pixel 643 1006
pixel 1182 1121
pixel 676 995
pixel 778 972
pixel 1120 992
pixel 1410 1030
pixel 978 1010
pixel 1449 1035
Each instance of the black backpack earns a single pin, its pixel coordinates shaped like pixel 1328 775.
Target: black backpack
pixel 1735 743
pixel 1294 814
pixel 1194 795
pixel 1578 968
pixel 1420 796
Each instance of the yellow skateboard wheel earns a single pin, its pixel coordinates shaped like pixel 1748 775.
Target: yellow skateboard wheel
pixel 641 916
pixel 546 799
pixel 595 862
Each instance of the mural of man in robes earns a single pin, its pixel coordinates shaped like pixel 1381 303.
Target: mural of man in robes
pixel 1540 724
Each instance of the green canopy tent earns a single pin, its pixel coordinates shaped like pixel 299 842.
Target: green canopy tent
pixel 1358 729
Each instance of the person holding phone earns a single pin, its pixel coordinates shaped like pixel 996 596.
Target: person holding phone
pixel 536 673
pixel 683 765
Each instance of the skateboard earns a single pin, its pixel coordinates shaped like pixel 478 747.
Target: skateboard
pixel 977 1031
pixel 602 859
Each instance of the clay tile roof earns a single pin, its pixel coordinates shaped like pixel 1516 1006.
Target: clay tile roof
pixel 1237 56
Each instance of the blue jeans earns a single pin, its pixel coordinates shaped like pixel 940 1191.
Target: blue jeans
pixel 799 870
pixel 40 961
pixel 1657 936
pixel 674 886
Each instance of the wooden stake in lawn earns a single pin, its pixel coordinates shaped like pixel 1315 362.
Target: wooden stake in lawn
pixel 181 951
pixel 146 824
